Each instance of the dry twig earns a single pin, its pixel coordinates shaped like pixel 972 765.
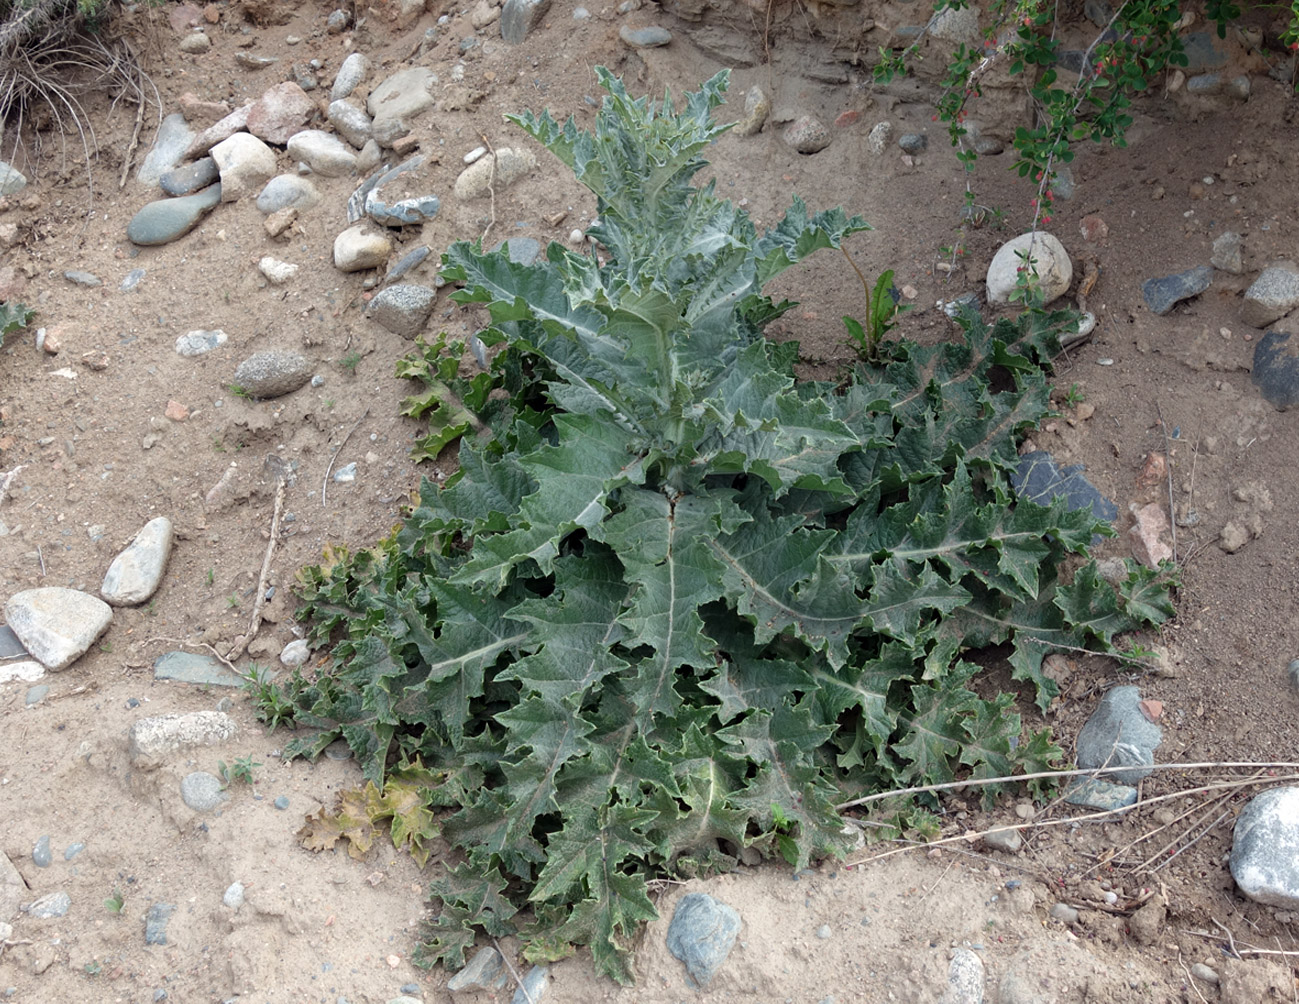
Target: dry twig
pixel 281 485
pixel 329 468
pixel 513 972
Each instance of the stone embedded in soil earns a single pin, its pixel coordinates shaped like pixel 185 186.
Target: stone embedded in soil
pixel 13 889
pixel 169 146
pixel 197 343
pixel 807 134
pixel 351 122
pixel 1147 923
pixel 57 625
pixel 649 37
pixel 10 646
pixel 913 142
pixel 202 791
pixel 1092 793
pixel 245 163
pixel 277 272
pixel 757 106
pixel 195 44
pixel 36 694
pixel 476 180
pixel 1276 368
pixel 160 735
pixel 287 191
pixel 87 280
pixel 1271 296
pixel 280 112
pixel 132 280
pixel 1228 253
pixel 483 970
pixel 403 308
pixel 350 76
pixel 42 856
pixel 26 670
pixel 702 934
pixel 534 987
pixel 1064 913
pixel 518 17
pixel 1119 735
pixel 54 904
pixel 234 895
pixel 1005 839
pixel 155 922
pixel 358 248
pixel 272 373
pixel 1265 849
pixel 1040 479
pixel 1146 535
pixel 190 667
pixel 295 653
pixel 167 220
pixel 1162 294
pixel 326 154
pixel 189 179
pixel 11 179
pixel 200 112
pixel 134 574
pixel 964 979
pixel 401 97
pixel 1054 269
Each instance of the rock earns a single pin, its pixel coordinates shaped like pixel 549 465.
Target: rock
pixel 323 152
pixel 1092 793
pixel 234 895
pixel 1202 972
pixel 190 178
pixel 475 181
pixel 954 25
pixel 132 280
pixel 34 696
pixel 187 667
pixel 13 888
pixel 1204 51
pixel 807 134
pixel 1093 229
pixel 200 112
pixel 195 44
pixel 346 473
pixel 1146 924
pixel 155 919
pixel 272 373
pixel 157 736
pixel 54 904
pixel 400 212
pixel 408 261
pixel 1119 735
pixel 202 791
pixel 401 97
pixel 134 574
pixel 1146 535
pixel 41 853
pixel 518 17
pixel 534 987
pixel 1276 368
pixel 338 21
pixel 280 112
pixel 282 802
pixel 350 75
pixel 253 62
pixel 276 271
pixel 169 146
pixel 280 220
pixel 1062 185
pixel 87 280
pixel 368 159
pixel 10 646
pixel 1005 839
pixel 218 131
pixel 245 163
pixel 1228 253
pixel 1265 848
pixel 485 14
pixel 702 934
pixel 196 343
pixel 1040 479
pixel 167 220
pixel 350 122
pixel 1162 294
pixel 287 191
pixel 56 625
pixel 878 137
pixel 27 670
pixel 403 308
pixel 913 142
pixel 520 250
pixel 1054 269
pixel 1272 295
pixel 964 979
pixel 295 653
pixel 1064 913
pixel 757 106
pixel 650 37
pixel 11 179
pixel 358 248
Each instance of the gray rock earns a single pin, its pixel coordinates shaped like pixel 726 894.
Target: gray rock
pixel 757 106
pixel 131 280
pixel 57 625
pixel 155 922
pixel 1063 185
pixel 1064 913
pixel 807 134
pixel 913 142
pixel 407 262
pixel 54 904
pixel 245 163
pixel 1205 84
pixel 27 670
pixel 1161 295
pixel 234 895
pixel 518 17
pixel 1272 295
pixel 1098 12
pixel 160 735
pixel 169 146
pixel 878 137
pixel 287 191
pixel 1202 972
pixel 402 96
pixel 219 130
pixel 282 802
pixel 88 280
pixel 295 653
pixel 350 76
pixel 196 343
pixel 964 979
pixel 134 574
pixel 403 308
pixel 338 21
pixel 11 179
pixel 1005 839
pixel 1092 793
pixel 402 213
pixel 72 850
pixel 535 985
pixel 10 646
pixel 476 180
pixel 650 37
pixel 357 248
pixel 1228 253
pixel 1119 735
pixel 957 25
pixel 36 694
pixel 195 43
pixel 367 160
pixel 273 373
pixel 388 131
pixel 190 178
pixel 1265 849
pixel 187 667
pixel 1276 369
pixel 1039 478
pixel 167 220
pixel 1204 51
pixel 484 971
pixel 41 853
pixel 253 62
pixel 202 791
pixel 345 474
pixel 521 250
pixel 1055 270
pixel 702 934
pixel 1237 87
pixel 350 122
pixel 323 152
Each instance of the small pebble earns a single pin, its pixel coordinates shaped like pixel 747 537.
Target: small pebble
pixel 282 802
pixel 41 854
pixel 1202 972
pixel 823 932
pixel 73 850
pixel 234 895
pixel 410 988
pixel 1064 913
pixel 345 473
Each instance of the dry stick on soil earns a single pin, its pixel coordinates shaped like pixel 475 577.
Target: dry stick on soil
pixel 491 187
pixel 1190 979
pixel 1231 940
pixel 1211 803
pixel 1150 833
pixel 1200 836
pixel 513 972
pixel 242 643
pixel 197 644
pixel 354 427
pixel 1168 469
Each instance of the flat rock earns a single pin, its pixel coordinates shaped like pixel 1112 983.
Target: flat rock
pixel 1272 295
pixel 484 971
pixel 245 163
pixel 280 112
pixel 198 111
pixel 358 248
pixel 807 134
pixel 520 250
pixel 56 625
pixel 87 280
pixel 1054 269
pixel 534 987
pixel 1102 795
pixel 964 979
pixel 169 146
pixel 476 180
pixel 403 308
pixel 401 96
pixel 1006 839
pixel 197 343
pixel 1228 252
pixel 190 667
pixel 272 373
pixel 518 17
pixel 287 191
pixel 954 25
pixel 1276 368
pixel 134 574
pixel 160 735
pixel 323 152
pixel 27 670
pixel 1119 735
pixel 1265 848
pixel 167 220
pixel 10 646
pixel 350 75
pixel 1161 295
pixel 702 934
pixel 276 271
pixel 222 129
pixel 650 37
pixel 1040 479
pixel 11 179
pixel 350 122
pixel 155 919
pixel 190 178
pixel 13 890
pixel 53 904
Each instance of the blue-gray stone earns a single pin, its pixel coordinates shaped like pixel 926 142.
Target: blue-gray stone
pixel 403 308
pixel 37 694
pixel 273 373
pixel 410 988
pixel 79 278
pixel 10 646
pixel 169 146
pixel 1237 87
pixel 644 38
pixel 155 923
pixel 286 191
pixel 1039 479
pixel 404 213
pixel 702 934
pixel 1098 12
pixel 233 897
pixel 521 250
pixel 1162 294
pixel 1204 83
pixel 484 970
pixel 11 179
pixel 518 17
pixel 1276 369
pixel 196 343
pixel 73 850
pixel 167 220
pixel 1073 60
pixel 132 280
pixel 407 262
pixel 534 986
pixel 913 142
pixel 53 904
pixel 41 854
pixel 1204 51
pixel 282 802
pixel 1063 185
pixel 202 791
pixel 1101 795
pixel 190 178
pixel 1119 735
pixel 1265 849
pixel 188 667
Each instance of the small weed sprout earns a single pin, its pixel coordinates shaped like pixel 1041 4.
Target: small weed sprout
pixel 241 770
pixel 115 903
pixel 349 362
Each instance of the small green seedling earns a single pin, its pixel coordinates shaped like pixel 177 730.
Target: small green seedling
pixel 238 391
pixel 1075 396
pixel 232 601
pixel 115 903
pixel 211 576
pixel 273 706
pixel 241 770
pixel 349 362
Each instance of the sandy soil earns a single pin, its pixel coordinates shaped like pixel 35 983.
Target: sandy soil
pixel 317 927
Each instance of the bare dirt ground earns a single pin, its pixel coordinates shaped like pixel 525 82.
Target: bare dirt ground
pixel 324 927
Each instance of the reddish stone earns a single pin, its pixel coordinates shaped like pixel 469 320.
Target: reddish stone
pixel 847 119
pixel 279 113
pixel 202 112
pixel 176 411
pixel 1093 229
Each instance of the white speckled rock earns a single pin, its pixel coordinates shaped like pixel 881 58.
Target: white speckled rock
pixel 57 625
pixel 403 308
pixel 350 74
pixel 351 122
pixel 1265 849
pixel 358 248
pixel 162 734
pixel 276 271
pixel 476 180
pixel 245 163
pixel 323 152
pixel 135 573
pixel 1054 269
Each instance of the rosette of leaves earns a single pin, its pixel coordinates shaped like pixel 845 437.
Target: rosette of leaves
pixel 676 604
